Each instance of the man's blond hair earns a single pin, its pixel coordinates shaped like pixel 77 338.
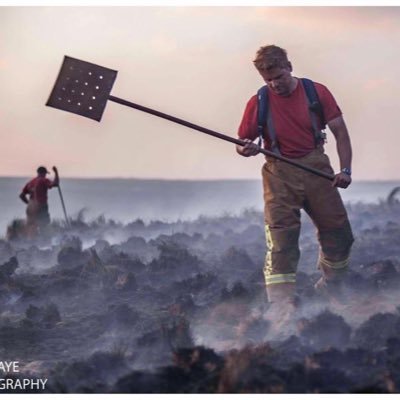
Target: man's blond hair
pixel 269 57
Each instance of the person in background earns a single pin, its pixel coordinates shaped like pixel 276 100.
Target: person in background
pixel 34 194
pixel 288 189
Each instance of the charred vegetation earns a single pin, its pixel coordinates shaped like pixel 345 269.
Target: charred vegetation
pixel 180 307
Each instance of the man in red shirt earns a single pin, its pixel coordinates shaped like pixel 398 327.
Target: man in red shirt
pixel 37 212
pixel 288 189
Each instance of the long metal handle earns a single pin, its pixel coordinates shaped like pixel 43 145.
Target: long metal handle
pixel 63 206
pixel 217 135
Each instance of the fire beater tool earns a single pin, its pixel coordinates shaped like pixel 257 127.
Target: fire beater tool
pixel 84 88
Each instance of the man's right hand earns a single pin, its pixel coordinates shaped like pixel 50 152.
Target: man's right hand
pixel 249 149
pixel 56 181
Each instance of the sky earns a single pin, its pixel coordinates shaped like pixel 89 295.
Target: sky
pixel 194 63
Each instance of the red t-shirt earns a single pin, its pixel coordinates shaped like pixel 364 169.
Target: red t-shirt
pixel 291 120
pixel 37 189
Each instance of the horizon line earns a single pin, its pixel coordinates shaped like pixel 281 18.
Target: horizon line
pixel 179 179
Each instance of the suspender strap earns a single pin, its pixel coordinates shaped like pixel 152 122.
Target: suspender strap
pixel 264 118
pixel 315 109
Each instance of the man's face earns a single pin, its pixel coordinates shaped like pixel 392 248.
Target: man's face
pixel 279 80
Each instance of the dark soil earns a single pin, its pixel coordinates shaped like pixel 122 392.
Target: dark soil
pixel 180 307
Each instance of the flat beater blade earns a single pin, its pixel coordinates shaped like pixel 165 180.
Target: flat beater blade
pixel 82 88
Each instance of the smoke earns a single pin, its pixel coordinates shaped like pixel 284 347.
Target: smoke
pixel 181 301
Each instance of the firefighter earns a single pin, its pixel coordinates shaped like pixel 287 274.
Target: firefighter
pixel 292 130
pixel 37 211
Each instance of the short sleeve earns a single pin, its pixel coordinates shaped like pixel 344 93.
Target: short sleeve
pixel 330 107
pixel 25 189
pixel 248 125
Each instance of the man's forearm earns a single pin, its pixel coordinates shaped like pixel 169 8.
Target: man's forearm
pixel 343 146
pixel 343 143
pixel 56 179
pixel 23 198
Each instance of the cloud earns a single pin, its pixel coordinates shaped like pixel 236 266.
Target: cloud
pixel 195 63
pixel 372 85
pixel 164 44
pixel 324 18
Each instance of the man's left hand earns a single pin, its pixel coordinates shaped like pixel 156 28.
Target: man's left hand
pixel 341 180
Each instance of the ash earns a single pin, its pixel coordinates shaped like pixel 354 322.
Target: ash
pixel 180 307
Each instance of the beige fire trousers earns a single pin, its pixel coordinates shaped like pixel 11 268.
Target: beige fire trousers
pixel 37 217
pixel 287 190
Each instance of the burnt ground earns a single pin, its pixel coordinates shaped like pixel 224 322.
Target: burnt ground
pixel 180 307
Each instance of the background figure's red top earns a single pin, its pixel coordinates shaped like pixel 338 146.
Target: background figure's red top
pixel 291 120
pixel 37 189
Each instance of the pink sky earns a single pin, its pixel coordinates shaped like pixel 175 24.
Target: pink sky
pixel 194 63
